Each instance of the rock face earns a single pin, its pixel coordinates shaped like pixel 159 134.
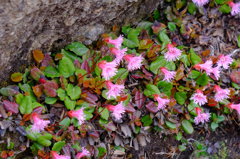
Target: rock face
pixel 46 24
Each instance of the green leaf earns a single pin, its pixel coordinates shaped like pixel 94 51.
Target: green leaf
pixel 66 67
pixel 132 38
pixel 181 97
pixel 194 74
pixel 170 125
pixel 172 26
pixel 50 100
pixel 187 126
pixel 161 62
pixel 214 126
pixel 43 141
pixel 156 14
pixel 185 60
pixel 88 115
pixel 195 59
pixel 221 1
pixel 182 148
pixel 71 55
pixel 164 37
pixel 192 8
pixel 104 113
pixel 27 88
pixel 69 103
pixel 153 89
pixel 165 87
pixel 61 94
pixel 58 146
pixel 146 25
pixel 202 80
pixel 73 91
pixel 51 72
pixel 235 85
pixel 26 105
pixel 178 136
pixel 121 74
pixel 147 120
pixel 101 152
pixel 238 41
pixel 78 48
pixel 225 9
pixel 65 122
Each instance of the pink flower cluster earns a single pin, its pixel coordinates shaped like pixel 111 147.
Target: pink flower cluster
pixel 173 53
pixel 199 98
pixel 235 8
pixel 117 110
pixel 168 75
pixel 201 117
pixel 55 155
pixel 223 61
pixel 221 94
pixel 84 153
pixel 114 90
pixel 109 69
pixel 162 102
pixel 38 124
pixel 200 3
pixel 235 106
pixel 78 114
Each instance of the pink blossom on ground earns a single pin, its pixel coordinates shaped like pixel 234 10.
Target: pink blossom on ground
pixel 38 123
pixel 199 98
pixel 162 102
pixel 224 61
pixel 78 114
pixel 168 75
pixel 207 66
pixel 114 90
pixel 116 42
pixel 84 153
pixel 221 94
pixel 216 72
pixel 201 117
pixel 119 53
pixel 173 53
pixel 108 69
pixel 57 156
pixel 200 3
pixel 117 111
pixel 134 62
pixel 235 106
pixel 235 8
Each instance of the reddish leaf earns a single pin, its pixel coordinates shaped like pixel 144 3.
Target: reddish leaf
pixel 139 99
pixel 145 44
pixel 129 108
pixel 50 88
pixel 36 73
pixel 85 66
pixel 147 73
pixel 58 56
pixel 37 90
pixel 151 107
pixel 9 90
pixel 47 61
pixel 16 77
pixel 11 106
pixel 235 76
pixel 212 103
pixel 38 110
pixel 206 52
pixel 180 73
pixel 38 55
pixel 157 27
pixel 153 51
pixel 93 134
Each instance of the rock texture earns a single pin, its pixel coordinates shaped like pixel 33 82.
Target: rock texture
pixel 47 24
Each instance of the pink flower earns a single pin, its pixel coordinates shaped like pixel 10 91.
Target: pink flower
pixel 134 62
pixel 116 42
pixel 207 66
pixel 117 111
pixel 199 98
pixel 201 117
pixel 224 61
pixel 221 94
pixel 173 53
pixel 118 53
pixel 79 114
pixel 84 153
pixel 168 75
pixel 108 69
pixel 235 8
pixel 162 102
pixel 216 72
pixel 200 3
pixel 236 107
pixel 38 123
pixel 57 156
pixel 114 90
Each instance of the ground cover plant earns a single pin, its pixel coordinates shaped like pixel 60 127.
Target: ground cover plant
pixel 96 102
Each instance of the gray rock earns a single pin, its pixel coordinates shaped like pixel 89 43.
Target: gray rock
pixel 50 24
